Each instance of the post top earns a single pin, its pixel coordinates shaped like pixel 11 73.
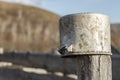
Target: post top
pixel 85 34
pixel 85 13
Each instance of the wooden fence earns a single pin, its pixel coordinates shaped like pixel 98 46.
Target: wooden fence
pixel 52 63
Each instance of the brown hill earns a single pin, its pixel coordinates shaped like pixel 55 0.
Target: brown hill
pixel 26 28
pixel 115 36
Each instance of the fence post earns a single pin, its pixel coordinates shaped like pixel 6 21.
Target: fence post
pixel 86 37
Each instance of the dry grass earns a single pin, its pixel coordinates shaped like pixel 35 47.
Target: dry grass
pixel 115 36
pixel 26 28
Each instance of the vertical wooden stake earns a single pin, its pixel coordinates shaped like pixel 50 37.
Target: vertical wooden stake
pixel 94 67
pixel 86 37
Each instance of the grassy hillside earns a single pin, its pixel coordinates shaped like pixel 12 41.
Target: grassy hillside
pixel 115 36
pixel 26 28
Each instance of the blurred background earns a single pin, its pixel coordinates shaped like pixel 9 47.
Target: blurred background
pixel 29 37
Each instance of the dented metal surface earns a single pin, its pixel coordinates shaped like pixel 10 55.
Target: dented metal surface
pixel 85 33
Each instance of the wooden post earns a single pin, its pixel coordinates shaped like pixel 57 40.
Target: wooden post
pixel 86 37
pixel 95 67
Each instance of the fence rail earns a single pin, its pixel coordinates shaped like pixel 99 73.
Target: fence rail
pixel 52 62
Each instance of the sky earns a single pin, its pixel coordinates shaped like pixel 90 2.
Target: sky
pixel 64 7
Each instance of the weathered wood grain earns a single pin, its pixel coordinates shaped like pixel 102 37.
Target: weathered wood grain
pixel 50 62
pixel 87 37
pixel 68 66
pixel 95 67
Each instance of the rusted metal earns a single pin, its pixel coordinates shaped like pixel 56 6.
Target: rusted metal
pixel 85 33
